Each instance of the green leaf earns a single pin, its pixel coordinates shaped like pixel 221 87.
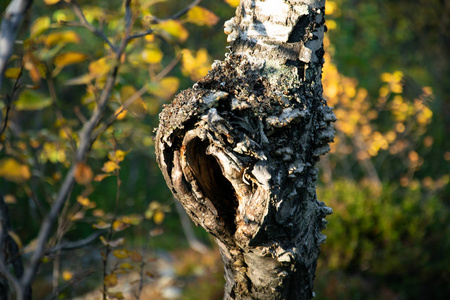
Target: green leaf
pixel 32 100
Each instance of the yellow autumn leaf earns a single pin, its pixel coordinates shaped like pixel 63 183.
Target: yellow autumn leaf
pixel 63 37
pixel 158 217
pixel 133 219
pixel 61 16
pixel 51 2
pixel 12 170
pixel 39 26
pixel 93 13
pixel 166 88
pixel 117 156
pixel 12 73
pixel 115 295
pixel 83 200
pixel 110 166
pixel 233 3
pixel 118 225
pixel 173 29
pixel 100 68
pixel 67 275
pixel 126 92
pixel 331 24
pixel 331 7
pixel 150 38
pixel 121 113
pixel 110 280
pixel 53 152
pixel 137 108
pixel 121 253
pixel 98 213
pixel 69 58
pixel 153 106
pixel 10 199
pixel 101 224
pixel 201 16
pixel 125 266
pixel 83 174
pixel 152 208
pixel 100 177
pixel 36 69
pixel 77 216
pixel 195 66
pixel 152 55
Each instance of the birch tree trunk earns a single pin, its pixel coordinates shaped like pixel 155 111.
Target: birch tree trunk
pixel 238 149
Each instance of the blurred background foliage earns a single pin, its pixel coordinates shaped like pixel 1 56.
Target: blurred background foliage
pixel 386 73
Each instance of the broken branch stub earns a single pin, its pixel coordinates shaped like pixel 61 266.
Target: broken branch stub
pixel 238 151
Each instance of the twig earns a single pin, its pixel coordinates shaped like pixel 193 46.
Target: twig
pixel 186 224
pixel 168 68
pixel 113 117
pixel 134 97
pixel 80 116
pixel 63 225
pixel 9 101
pixel 77 244
pixel 140 34
pixel 12 250
pixel 75 278
pixel 185 10
pixel 10 26
pixel 111 229
pixel 79 13
pixel 58 112
pixel 178 14
pixel 142 268
pixel 128 14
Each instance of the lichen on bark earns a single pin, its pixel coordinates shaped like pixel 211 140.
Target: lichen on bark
pixel 238 149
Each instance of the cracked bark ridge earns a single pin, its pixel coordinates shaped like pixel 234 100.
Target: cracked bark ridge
pixel 238 150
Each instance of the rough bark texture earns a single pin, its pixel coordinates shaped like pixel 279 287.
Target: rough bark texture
pixel 238 149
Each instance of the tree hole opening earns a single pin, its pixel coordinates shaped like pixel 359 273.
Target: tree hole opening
pixel 211 181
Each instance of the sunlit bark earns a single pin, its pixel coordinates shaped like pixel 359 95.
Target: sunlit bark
pixel 238 149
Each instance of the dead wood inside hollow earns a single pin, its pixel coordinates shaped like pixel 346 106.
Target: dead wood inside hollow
pixel 204 169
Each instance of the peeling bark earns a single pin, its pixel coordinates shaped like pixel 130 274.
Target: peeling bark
pixel 238 149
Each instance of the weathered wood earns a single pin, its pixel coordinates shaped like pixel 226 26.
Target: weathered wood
pixel 238 149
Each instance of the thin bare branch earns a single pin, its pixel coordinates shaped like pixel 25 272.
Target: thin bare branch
pixel 178 14
pixel 9 100
pixel 77 277
pixel 10 26
pixel 128 14
pixel 140 34
pixel 168 68
pixel 186 225
pixel 58 112
pixel 111 229
pixel 134 97
pixel 185 10
pixel 11 249
pixel 77 244
pixel 83 22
